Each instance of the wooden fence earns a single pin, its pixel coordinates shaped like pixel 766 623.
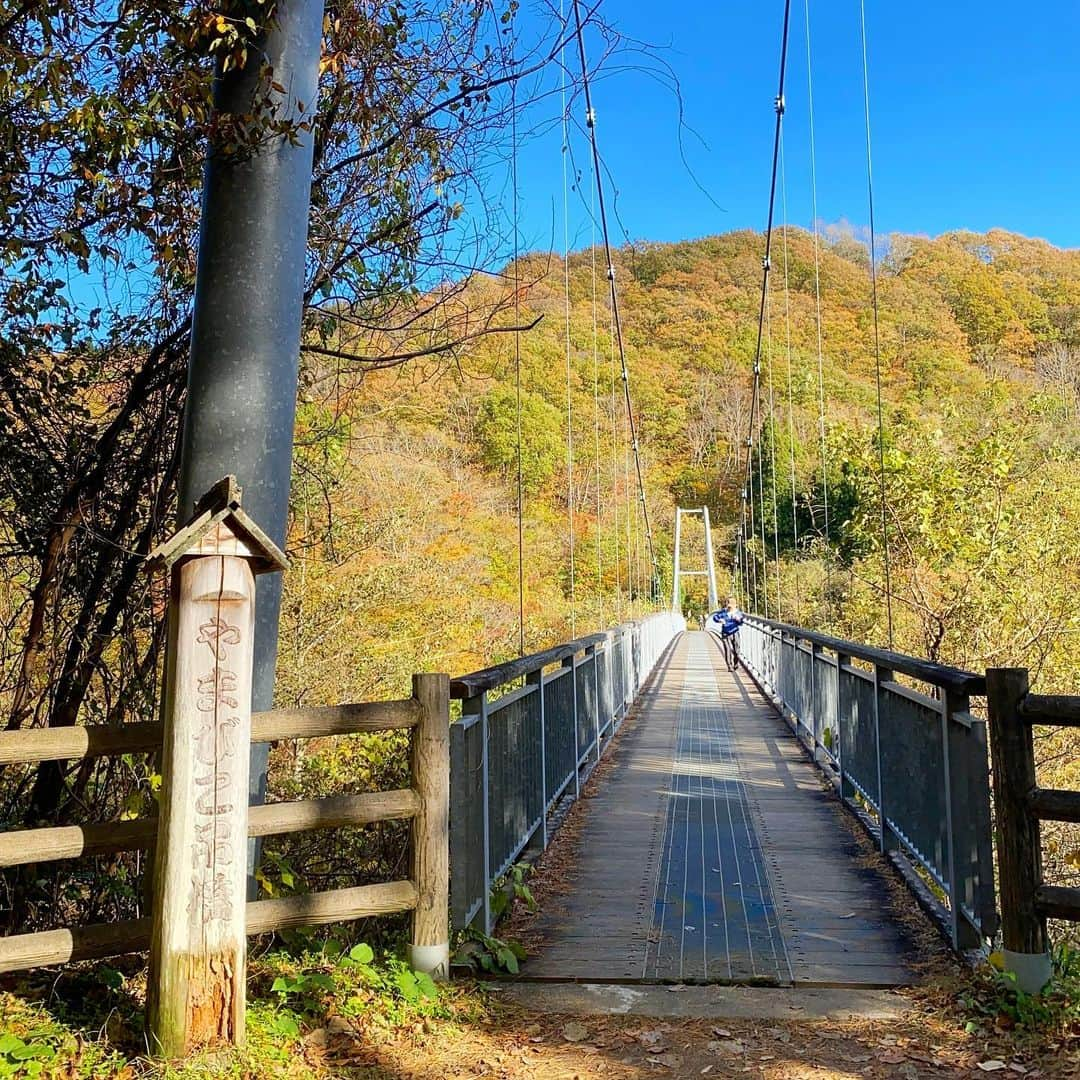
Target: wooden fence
pixel 424 804
pixel 1026 900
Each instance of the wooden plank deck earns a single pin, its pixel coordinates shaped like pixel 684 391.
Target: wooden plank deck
pixel 712 852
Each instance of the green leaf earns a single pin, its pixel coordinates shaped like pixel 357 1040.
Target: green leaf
pixel 32 1050
pixel 362 954
pixel 406 984
pixel 285 1024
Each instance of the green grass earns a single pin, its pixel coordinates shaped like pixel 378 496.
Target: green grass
pixel 88 1023
pixel 995 999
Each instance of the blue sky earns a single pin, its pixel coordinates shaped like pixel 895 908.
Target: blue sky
pixel 973 110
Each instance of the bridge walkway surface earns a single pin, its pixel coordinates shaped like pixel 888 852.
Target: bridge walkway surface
pixel 711 850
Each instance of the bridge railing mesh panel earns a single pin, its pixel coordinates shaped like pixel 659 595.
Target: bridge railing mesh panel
pixel 914 761
pixel 858 747
pixel 560 743
pixel 515 799
pixel 466 820
pixel 586 707
pixel 911 767
pixel 528 734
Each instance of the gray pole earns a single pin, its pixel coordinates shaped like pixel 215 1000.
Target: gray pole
pixel 714 597
pixel 245 337
pixel 675 578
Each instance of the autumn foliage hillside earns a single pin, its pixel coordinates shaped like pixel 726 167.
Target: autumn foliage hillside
pixel 405 508
pixel 405 537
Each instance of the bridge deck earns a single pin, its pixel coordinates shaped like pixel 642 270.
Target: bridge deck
pixel 711 851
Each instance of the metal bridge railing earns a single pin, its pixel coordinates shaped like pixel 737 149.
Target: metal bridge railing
pixel 529 731
pixel 917 759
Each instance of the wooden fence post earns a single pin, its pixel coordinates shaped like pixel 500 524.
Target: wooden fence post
pixel 1023 929
pixel 430 760
pixel 198 950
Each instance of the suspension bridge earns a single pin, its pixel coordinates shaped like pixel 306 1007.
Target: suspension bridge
pixel 728 838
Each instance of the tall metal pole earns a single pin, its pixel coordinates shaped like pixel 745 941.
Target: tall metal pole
pixel 245 339
pixel 676 582
pixel 714 598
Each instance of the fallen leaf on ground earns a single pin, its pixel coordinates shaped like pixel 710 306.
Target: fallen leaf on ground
pixel 650 1037
pixel 993 1065
pixel 666 1061
pixel 575 1032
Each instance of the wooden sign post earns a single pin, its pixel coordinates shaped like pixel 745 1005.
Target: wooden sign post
pixel 198 953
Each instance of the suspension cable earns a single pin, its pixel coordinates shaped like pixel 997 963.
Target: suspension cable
pixel 772 457
pixel 517 360
pixel 817 288
pixel 629 515
pixel 877 334
pixel 590 120
pixel 761 513
pixel 615 474
pixel 790 409
pixel 596 416
pixel 566 288
pixel 765 263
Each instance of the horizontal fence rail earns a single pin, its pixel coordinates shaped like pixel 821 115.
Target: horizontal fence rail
pixel 916 758
pixel 423 805
pixel 1027 901
pixel 529 730
pixel 106 740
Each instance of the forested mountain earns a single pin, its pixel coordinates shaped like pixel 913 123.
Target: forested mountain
pixel 405 491
pixel 404 537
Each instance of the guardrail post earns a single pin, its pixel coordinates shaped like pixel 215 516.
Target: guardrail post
pixel 963 934
pixel 571 663
pixel 429 760
pixel 786 679
pixel 536 678
pixel 609 667
pixel 1019 850
pixel 815 720
pixel 478 706
pixel 887 840
pixel 847 790
pixel 591 652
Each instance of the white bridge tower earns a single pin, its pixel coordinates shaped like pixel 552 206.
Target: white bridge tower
pixel 710 567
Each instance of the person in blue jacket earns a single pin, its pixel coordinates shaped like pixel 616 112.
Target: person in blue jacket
pixel 726 623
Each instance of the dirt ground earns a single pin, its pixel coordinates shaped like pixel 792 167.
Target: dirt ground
pixel 927 1041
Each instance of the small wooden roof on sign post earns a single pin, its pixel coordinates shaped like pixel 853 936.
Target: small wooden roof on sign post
pixel 220 527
